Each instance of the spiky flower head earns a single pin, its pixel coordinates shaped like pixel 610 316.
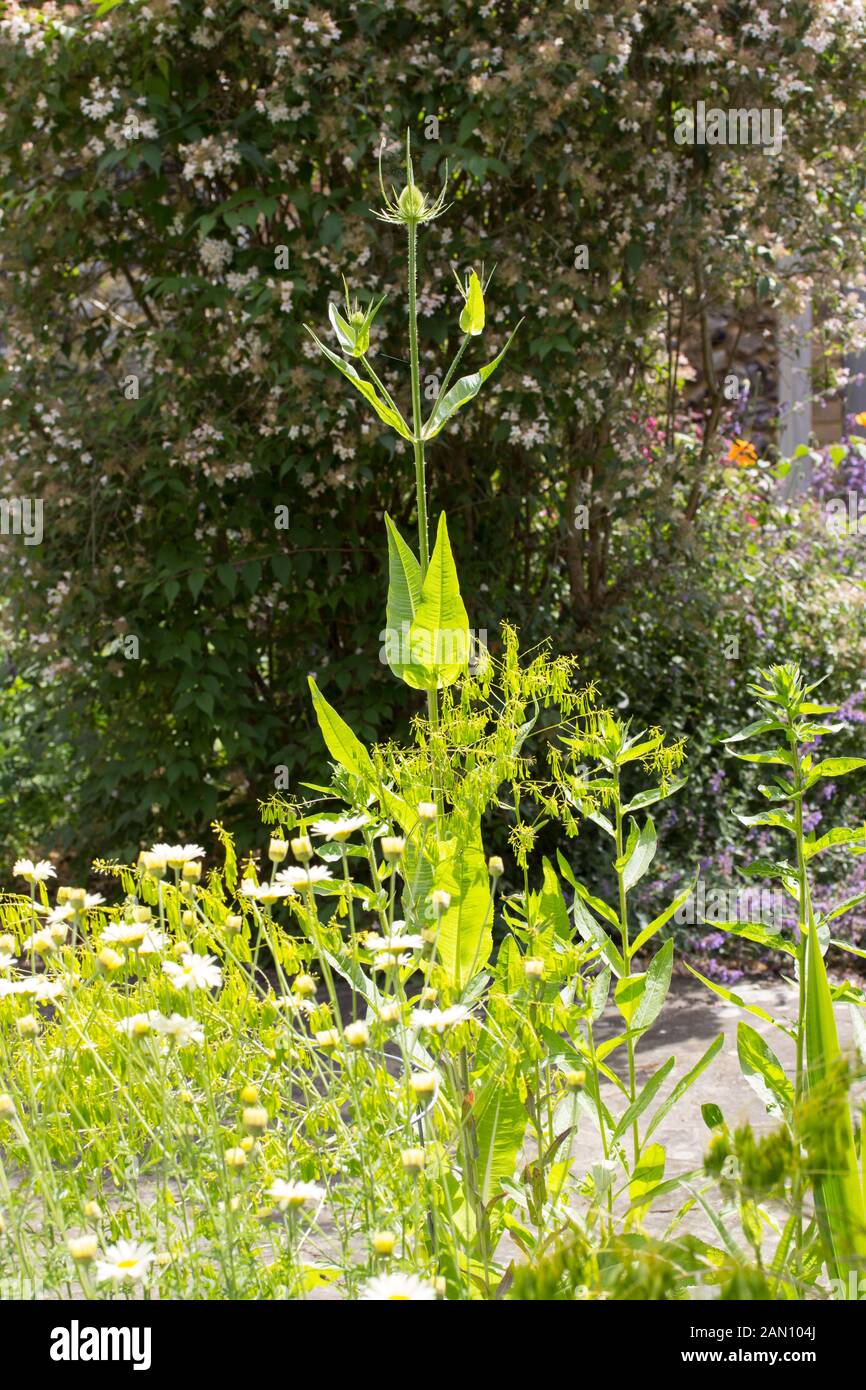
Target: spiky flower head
pixel 411 206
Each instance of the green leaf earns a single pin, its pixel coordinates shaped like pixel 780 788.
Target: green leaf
pixel 684 1083
pixel 756 931
pixel 597 904
pixel 654 794
pixel 500 1127
pixel 591 930
pixel 465 936
pixel 839 1201
pixel 461 393
pixel 648 1175
pixel 645 1098
pixel 832 838
pixel 628 994
pixel 439 635
pixel 404 595
pixel 733 998
pixel 658 922
pixel 835 767
pixel 761 726
pixel 641 856
pixel 368 391
pixel 552 904
pixel 764 1072
pixel 341 743
pixel 658 979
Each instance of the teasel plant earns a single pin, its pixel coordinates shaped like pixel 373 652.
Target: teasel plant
pixel 424 598
pixel 814 1103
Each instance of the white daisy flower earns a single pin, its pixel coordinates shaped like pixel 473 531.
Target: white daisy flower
pixel 386 960
pixel 194 972
pixel 175 856
pixel 296 876
pixel 295 1194
pixel 153 942
pixel 295 1004
pixel 266 892
pixel 127 1261
pixel 439 1019
pixel 39 872
pixel 41 942
pixel 399 1288
pixel 41 988
pixel 339 829
pixel 397 941
pixel 136 1026
pixel 6 961
pixel 179 1028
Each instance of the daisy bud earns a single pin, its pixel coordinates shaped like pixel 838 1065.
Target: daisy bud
pixel 357 1034
pixel 383 1242
pixel 392 847
pixel 185 888
pixel 255 1119
pixel 305 986
pixel 495 866
pixel 277 850
pixel 440 1286
pixel 57 933
pixel 77 898
pixel 302 849
pixel 7 1106
pixel 141 1027
pixel 109 959
pixel 181 948
pixel 575 1080
pixel 62 896
pixel 235 1158
pixel 141 914
pixel 27 1025
pixel 427 811
pixel 7 946
pixel 423 1083
pixel 92 1210
pixel 249 1094
pixel 187 919
pixel 389 1013
pixel 533 968
pixel 413 1160
pixel 82 1248
pixel 192 872
pixel 247 1144
pixel 440 901
pixel 429 995
pixel 328 1038
pixel 234 924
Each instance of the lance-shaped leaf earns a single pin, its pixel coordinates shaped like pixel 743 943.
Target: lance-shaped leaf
pixel 439 635
pixel 464 939
pixel 344 746
pixel 839 1203
pixel 404 595
pixel 368 391
pixel 461 393
pixel 639 855
pixel 764 1072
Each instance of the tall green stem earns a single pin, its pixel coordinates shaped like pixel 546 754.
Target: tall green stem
pixel 417 441
pixel 803 924
pixel 623 926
